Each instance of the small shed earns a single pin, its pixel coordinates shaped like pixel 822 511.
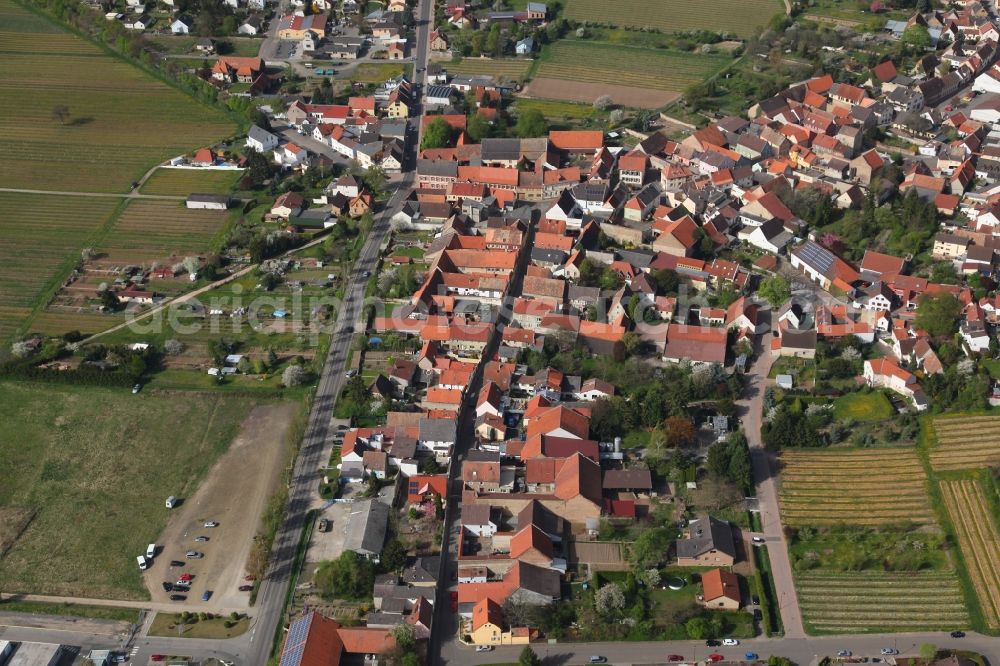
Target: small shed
pixel 784 382
pixel 208 201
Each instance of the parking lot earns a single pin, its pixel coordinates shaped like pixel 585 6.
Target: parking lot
pixel 234 494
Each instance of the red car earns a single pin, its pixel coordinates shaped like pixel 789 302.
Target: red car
pixel 715 656
pixel 158 657
pixel 675 657
pixel 186 576
pixel 454 602
pixel 250 578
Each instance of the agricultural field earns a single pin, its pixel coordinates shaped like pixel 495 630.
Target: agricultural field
pixel 507 68
pixel 154 229
pixel 182 182
pixel 741 17
pixel 120 120
pixel 978 540
pixel 968 442
pixel 43 236
pixel 876 602
pixel 853 486
pixel 95 465
pixel 631 76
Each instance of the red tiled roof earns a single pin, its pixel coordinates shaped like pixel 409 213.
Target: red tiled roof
pixel 576 139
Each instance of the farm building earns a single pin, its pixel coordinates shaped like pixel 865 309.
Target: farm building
pixel 207 201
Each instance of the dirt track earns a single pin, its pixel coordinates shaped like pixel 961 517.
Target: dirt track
pixel 233 494
pixel 580 91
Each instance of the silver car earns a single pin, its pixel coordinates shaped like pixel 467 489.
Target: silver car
pixel 194 555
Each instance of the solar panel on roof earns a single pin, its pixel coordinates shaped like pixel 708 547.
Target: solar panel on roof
pixel 817 257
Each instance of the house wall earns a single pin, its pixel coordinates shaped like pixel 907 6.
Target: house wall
pixel 712 558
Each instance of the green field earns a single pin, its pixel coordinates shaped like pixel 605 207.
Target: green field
pixel 855 602
pixel 96 464
pixel 614 64
pixel 741 17
pixel 182 182
pixel 375 72
pixel 121 121
pixel 42 238
pixel 508 68
pixel 863 407
pixel 155 229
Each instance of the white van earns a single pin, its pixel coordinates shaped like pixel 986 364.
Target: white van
pixel 151 551
pixel 143 562
pixel 171 502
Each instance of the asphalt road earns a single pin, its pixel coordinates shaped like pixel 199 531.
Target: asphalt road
pixel 802 651
pixel 751 408
pixel 309 463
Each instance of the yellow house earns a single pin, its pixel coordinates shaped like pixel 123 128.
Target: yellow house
pixel 487 626
pixel 397 108
pixel 487 622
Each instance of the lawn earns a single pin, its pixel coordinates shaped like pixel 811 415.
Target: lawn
pixel 121 121
pixel 375 72
pixel 741 17
pixel 166 624
pixel 872 406
pixel 42 239
pixel 622 65
pixel 182 182
pixel 96 464
pixel 73 610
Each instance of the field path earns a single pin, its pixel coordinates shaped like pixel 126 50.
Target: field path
pixel 193 294
pixel 751 408
pixel 168 607
pixel 130 195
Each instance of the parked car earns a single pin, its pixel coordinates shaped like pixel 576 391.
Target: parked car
pixel 211 523
pixel 250 577
pixel 757 615
pixel 730 642
pixel 176 563
pixel 751 656
pixel 136 388
pixel 598 659
pixel 201 539
pixel 194 555
pixel 454 602
pixel 246 588
pixel 715 656
pixel 206 595
pixel 158 657
pixel 755 600
pixel 844 653
pixel 889 651
pixel 178 597
pixel 168 586
pixel 484 648
pixel 758 540
pixel 119 657
pixel 675 657
pixel 958 634
pixel 711 642
pixel 186 576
